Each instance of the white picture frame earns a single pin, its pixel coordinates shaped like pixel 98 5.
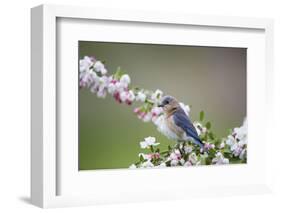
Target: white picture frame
pixel 50 163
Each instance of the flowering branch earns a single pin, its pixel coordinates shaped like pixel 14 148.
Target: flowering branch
pixel 93 75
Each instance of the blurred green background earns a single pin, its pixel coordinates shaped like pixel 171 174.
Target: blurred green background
pixel 212 79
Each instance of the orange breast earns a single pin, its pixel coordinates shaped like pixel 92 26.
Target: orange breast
pixel 173 127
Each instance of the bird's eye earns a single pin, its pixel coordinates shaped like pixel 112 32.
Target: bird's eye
pixel 166 102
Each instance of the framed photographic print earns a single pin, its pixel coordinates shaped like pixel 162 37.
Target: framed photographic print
pixel 125 103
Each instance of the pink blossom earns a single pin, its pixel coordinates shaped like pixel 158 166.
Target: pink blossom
pixel 117 97
pixel 208 146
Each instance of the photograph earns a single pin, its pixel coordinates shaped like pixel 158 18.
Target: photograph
pixel 144 105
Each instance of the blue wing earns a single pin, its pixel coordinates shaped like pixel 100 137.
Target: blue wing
pixel 182 120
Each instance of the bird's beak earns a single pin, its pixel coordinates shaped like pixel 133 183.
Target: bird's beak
pixel 160 105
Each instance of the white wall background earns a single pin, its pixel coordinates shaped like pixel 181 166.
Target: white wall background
pixel 15 103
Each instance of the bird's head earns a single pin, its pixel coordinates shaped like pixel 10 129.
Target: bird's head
pixel 169 103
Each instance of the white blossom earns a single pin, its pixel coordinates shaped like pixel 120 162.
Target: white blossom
pixel 157 96
pixel 243 154
pixel 241 132
pixel 175 157
pixel 147 117
pixel 101 93
pixel 200 129
pixel 187 163
pixel 99 67
pixel 230 140
pixel 123 96
pixel 192 158
pixel 187 149
pixel 149 141
pixel 120 87
pixel 147 164
pixel 220 159
pixel 127 96
pixel 208 146
pixel 236 149
pixel 162 165
pixel 85 64
pixel 237 141
pixel 182 161
pixel 133 166
pixel 140 96
pixel 88 78
pixel 222 145
pixel 101 86
pixel 155 112
pixel 174 162
pixel 111 88
pixel 125 80
pixel 131 96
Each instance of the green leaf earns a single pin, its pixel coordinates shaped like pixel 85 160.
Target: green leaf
pixel 208 125
pixel 227 150
pixel 236 161
pixel 136 89
pixel 203 159
pixel 217 142
pixel 118 73
pixel 212 153
pixel 208 161
pixel 211 135
pixel 202 114
pixel 149 101
pixel 141 158
pixel 168 163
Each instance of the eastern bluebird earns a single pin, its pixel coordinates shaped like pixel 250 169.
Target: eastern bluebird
pixel 178 124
